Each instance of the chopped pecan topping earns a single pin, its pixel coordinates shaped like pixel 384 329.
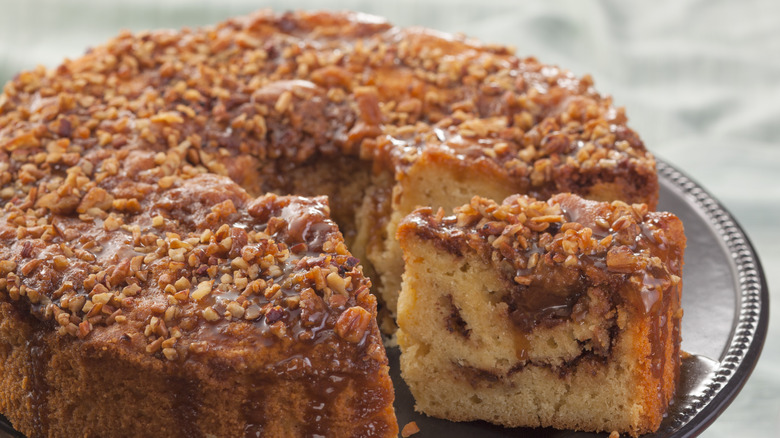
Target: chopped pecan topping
pixel 353 324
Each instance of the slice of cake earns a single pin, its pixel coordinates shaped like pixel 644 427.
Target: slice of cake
pixel 564 313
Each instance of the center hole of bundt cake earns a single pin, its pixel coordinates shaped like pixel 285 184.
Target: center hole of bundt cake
pixel 344 180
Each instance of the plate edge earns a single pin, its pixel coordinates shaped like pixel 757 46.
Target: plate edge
pixel 750 330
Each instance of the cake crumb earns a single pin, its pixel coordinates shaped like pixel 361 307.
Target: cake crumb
pixel 614 434
pixel 412 428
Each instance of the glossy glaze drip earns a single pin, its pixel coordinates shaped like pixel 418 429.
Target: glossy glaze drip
pixel 185 406
pixel 321 395
pixel 37 386
pixel 254 413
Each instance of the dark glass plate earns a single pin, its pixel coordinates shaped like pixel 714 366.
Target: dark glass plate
pixel 726 304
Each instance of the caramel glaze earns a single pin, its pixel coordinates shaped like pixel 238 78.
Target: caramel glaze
pixel 569 256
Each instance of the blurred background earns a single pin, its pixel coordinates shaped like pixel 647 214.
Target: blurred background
pixel 700 81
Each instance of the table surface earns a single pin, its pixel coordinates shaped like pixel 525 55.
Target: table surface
pixel 700 82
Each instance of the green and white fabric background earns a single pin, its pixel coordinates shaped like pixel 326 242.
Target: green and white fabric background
pixel 700 81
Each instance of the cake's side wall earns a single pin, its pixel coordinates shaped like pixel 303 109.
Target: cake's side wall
pixel 15 370
pixel 56 386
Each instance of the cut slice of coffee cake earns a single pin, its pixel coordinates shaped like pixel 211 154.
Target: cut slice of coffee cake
pixel 562 313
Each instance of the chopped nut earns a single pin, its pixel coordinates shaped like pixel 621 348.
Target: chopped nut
pixel 240 282
pixel 177 254
pixel 85 255
pixel 235 309
pixel 182 295
pixel 205 237
pixel 77 303
pixel 154 346
pixel 252 312
pixel 204 288
pixel 131 290
pixel 182 283
pixel 167 117
pixel 278 329
pixel 410 429
pixel 7 266
pixel 102 298
pixel 239 263
pixel 601 222
pixel 166 182
pixel 96 197
pixel 210 314
pixel 274 271
pixel 337 283
pixel 271 292
pixel 199 347
pixel 621 259
pixel 171 313
pixel 284 101
pixel 170 353
pixel 84 328
pixel 570 246
pixel 226 243
pixel 30 266
pixel 353 324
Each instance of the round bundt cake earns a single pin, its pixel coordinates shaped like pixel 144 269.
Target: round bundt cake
pixel 149 277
